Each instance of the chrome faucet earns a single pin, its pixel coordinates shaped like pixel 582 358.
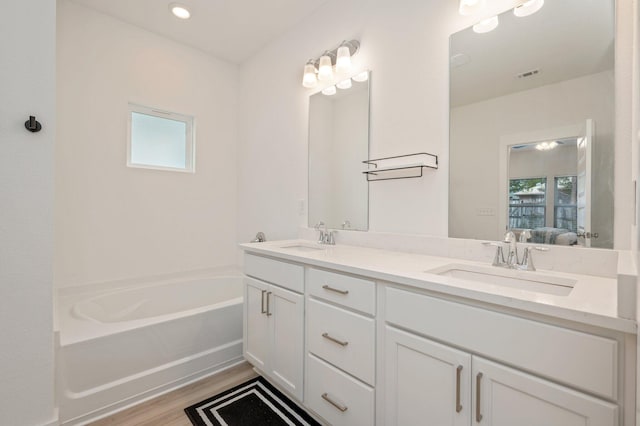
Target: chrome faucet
pixel 513 261
pixel 512 257
pixel 324 237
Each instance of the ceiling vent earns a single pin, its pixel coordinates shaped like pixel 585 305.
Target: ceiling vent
pixel 529 73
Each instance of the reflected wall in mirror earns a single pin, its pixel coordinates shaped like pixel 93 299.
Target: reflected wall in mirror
pixel 338 143
pixel 544 78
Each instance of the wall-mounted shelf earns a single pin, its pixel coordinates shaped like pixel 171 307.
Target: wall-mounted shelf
pixel 400 166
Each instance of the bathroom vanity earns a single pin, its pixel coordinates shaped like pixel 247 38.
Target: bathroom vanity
pixel 362 336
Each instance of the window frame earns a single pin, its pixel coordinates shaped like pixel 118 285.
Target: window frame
pixel 190 140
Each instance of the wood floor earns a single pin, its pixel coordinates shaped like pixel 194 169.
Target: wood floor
pixel 167 410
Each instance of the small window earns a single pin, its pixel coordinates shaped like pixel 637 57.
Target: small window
pixel 160 139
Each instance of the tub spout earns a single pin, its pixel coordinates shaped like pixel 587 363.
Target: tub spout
pixel 260 238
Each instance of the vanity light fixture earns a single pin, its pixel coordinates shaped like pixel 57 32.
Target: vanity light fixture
pixel 470 7
pixel 325 70
pixel 329 91
pixel 486 25
pixel 527 8
pixel 343 60
pixel 546 146
pixel 332 62
pixel 344 84
pixel 309 79
pixel 179 11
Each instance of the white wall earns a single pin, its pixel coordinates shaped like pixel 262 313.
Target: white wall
pixel 27 87
pixel 405 44
pixel 477 130
pixel 114 222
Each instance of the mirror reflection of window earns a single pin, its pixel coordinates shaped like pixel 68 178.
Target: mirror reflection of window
pixel 565 212
pixel 540 78
pixel 527 205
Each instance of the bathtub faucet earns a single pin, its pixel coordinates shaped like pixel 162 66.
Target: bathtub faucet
pixel 260 238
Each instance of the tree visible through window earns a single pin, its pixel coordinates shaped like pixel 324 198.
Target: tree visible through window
pixel 527 203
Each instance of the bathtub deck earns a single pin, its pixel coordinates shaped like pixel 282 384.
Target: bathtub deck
pixel 167 410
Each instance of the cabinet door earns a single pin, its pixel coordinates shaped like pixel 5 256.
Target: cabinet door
pixel 506 397
pixel 286 317
pixel 426 383
pixel 256 324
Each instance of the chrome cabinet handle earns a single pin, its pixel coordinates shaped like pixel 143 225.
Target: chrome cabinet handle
pixel 340 407
pixel 268 307
pixel 458 376
pixel 335 290
pixel 262 309
pixel 478 413
pixel 334 340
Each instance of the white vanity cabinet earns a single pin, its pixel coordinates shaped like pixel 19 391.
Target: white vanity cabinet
pixel 274 321
pixel 426 382
pixel 341 335
pixel 434 383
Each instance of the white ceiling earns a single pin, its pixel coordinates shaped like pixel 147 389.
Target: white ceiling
pixel 231 30
pixel 566 39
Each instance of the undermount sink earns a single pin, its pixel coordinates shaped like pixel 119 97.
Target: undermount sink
pixel 523 280
pixel 302 247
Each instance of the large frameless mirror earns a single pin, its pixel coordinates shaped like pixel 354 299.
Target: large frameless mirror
pixel 338 144
pixel 532 126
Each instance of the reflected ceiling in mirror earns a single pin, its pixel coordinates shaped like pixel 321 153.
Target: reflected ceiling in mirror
pixel 532 79
pixel 338 143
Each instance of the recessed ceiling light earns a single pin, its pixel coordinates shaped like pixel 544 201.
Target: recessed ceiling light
pixel 179 11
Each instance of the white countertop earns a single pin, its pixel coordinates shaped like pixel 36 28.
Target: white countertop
pixel 592 301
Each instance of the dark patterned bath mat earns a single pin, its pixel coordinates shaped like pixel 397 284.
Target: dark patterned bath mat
pixel 255 402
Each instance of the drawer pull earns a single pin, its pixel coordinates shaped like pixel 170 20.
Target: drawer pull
pixel 268 307
pixel 335 290
pixel 334 340
pixel 458 374
pixel 340 407
pixel 262 309
pixel 478 414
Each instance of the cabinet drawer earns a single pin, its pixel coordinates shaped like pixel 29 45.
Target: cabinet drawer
pixel 354 401
pixel 582 360
pixel 354 293
pixel 344 339
pixel 284 274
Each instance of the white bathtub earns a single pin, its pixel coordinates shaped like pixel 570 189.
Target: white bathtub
pixel 118 347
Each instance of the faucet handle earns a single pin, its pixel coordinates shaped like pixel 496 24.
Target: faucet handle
pixel 498 258
pixel 527 259
pixel 330 238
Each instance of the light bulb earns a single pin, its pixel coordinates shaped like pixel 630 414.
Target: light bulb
pixel 470 7
pixel 343 60
pixel 331 90
pixel 309 79
pixel 344 84
pixel 363 76
pixel 528 8
pixel 179 11
pixel 486 25
pixel 325 70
